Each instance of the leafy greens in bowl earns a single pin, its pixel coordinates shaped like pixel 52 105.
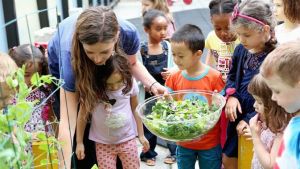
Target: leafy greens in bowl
pixel 182 115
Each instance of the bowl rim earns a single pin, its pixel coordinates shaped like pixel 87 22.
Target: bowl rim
pixel 141 105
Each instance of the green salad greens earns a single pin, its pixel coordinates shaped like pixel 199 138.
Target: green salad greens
pixel 181 120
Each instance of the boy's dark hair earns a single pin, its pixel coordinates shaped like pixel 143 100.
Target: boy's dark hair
pixel 150 15
pixel 217 7
pixel 191 35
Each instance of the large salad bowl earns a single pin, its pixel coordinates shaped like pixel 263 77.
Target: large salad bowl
pixel 182 115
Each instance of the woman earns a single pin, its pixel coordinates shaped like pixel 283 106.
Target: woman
pixel 99 33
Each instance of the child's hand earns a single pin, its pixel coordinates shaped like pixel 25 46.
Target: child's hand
pixel 80 151
pixel 230 109
pixel 167 72
pixel 145 143
pixel 247 133
pixel 255 126
pixel 241 127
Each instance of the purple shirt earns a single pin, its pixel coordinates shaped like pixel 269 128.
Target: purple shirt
pixel 117 125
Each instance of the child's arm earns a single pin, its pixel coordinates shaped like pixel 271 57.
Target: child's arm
pixel 81 124
pixel 142 138
pixel 210 59
pixel 232 102
pixel 266 159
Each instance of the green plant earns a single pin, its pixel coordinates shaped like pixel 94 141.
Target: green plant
pixel 13 138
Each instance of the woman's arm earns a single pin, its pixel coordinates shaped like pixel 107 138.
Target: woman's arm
pixel 81 124
pixel 142 138
pixel 67 124
pixel 141 73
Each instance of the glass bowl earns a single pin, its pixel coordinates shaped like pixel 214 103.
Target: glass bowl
pixel 182 115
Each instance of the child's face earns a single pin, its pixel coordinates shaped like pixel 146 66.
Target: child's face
pixel 259 107
pixel 30 70
pixel 279 11
pixel 146 5
pixel 221 23
pixel 253 39
pixel 114 82
pixel 285 95
pixel 183 56
pixel 158 29
pixel 99 52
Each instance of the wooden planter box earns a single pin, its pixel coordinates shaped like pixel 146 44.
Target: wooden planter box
pixel 40 155
pixel 245 153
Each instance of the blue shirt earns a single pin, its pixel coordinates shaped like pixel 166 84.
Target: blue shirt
pixel 59 48
pixel 245 66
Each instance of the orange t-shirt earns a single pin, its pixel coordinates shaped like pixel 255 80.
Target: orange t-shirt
pixel 209 80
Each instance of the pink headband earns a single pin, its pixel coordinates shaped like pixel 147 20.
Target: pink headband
pixel 236 14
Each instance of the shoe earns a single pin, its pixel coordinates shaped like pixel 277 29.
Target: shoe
pixel 170 159
pixel 149 161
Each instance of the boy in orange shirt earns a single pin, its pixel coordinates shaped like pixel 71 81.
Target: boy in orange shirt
pixel 187 45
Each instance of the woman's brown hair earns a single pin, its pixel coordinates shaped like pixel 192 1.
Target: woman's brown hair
pixel 96 24
pixel 276 117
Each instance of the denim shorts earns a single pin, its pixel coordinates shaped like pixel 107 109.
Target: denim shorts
pixel 207 159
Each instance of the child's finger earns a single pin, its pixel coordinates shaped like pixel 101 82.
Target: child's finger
pixel 239 108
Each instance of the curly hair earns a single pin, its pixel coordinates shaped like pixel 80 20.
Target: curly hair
pixel 96 24
pixel 276 117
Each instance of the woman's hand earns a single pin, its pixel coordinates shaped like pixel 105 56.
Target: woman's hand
pixel 232 105
pixel 80 151
pixel 145 143
pixel 157 89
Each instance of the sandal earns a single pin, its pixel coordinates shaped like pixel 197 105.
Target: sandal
pixel 149 161
pixel 170 159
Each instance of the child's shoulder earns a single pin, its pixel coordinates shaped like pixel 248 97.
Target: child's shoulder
pixel 212 72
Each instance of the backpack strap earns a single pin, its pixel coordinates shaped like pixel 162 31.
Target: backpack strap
pixel 144 49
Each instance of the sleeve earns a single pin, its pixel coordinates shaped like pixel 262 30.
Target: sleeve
pixel 232 75
pixel 53 56
pixel 135 88
pixel 130 40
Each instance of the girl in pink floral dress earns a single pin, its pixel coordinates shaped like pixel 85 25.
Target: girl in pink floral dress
pixel 266 127
pixel 35 61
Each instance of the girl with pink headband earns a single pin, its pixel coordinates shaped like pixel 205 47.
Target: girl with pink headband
pixel 254 23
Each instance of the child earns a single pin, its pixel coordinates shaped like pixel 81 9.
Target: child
pixel 222 40
pixel 34 61
pixel 7 67
pixel 114 119
pixel 162 6
pixel 267 126
pixel 221 43
pixel 157 58
pixel 187 45
pixel 288 30
pixel 281 73
pixel 254 23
